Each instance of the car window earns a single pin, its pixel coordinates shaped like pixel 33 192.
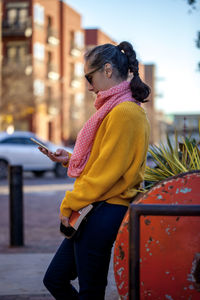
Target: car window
pixel 11 140
pixel 17 141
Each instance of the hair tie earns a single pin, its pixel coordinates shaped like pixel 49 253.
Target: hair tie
pixel 120 49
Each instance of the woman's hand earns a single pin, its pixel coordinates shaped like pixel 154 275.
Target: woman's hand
pixel 64 220
pixel 60 156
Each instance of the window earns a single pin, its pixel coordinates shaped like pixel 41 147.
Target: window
pixel 49 22
pixel 75 74
pixel 79 70
pixel 38 14
pixel 79 99
pixel 23 16
pixel 17 17
pixel 12 16
pixel 22 52
pixel 16 51
pixel 76 43
pixel 79 40
pixel 49 93
pixel 38 51
pixel 49 57
pixel 17 141
pixel 17 13
pixel 39 87
pixel 11 53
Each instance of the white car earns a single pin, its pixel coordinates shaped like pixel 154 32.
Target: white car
pixel 18 149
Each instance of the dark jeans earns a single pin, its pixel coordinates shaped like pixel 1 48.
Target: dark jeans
pixel 87 257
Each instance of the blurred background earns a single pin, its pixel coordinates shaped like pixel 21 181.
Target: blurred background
pixel 42 42
pixel 43 94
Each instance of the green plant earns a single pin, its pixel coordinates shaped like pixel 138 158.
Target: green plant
pixel 172 159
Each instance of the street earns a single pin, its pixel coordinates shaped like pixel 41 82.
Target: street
pixel 42 198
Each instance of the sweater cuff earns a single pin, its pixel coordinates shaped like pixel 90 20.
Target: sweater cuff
pixel 64 210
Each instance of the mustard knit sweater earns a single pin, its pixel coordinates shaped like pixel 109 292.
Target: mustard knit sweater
pixel 117 161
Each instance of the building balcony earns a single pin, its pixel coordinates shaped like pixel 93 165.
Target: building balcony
pixel 52 37
pixel 17 28
pixel 76 81
pixel 52 72
pixel 76 50
pixel 76 43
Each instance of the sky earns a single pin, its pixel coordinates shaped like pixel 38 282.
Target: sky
pixel 162 32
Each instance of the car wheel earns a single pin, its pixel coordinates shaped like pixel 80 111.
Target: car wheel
pixel 60 171
pixel 3 169
pixel 38 173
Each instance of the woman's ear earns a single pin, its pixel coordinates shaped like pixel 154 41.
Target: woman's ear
pixel 108 70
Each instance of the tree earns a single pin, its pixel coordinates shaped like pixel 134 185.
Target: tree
pixel 193 5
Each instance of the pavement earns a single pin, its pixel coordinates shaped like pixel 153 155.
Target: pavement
pixel 22 268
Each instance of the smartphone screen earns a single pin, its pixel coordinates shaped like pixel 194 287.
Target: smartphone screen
pixel 39 144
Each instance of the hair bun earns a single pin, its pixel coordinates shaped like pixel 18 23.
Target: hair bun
pixel 127 48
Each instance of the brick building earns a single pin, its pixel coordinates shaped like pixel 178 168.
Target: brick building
pixel 43 68
pixel 73 82
pixel 149 79
pixel 43 78
pixel 93 37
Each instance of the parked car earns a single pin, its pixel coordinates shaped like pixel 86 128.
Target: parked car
pixel 18 149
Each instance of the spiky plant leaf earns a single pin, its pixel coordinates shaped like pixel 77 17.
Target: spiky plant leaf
pixel 172 159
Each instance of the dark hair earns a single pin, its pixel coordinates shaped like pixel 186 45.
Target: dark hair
pixel 123 59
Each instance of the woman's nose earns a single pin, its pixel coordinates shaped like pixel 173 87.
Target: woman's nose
pixel 89 86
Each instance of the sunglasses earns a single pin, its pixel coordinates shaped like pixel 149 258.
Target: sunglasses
pixel 88 75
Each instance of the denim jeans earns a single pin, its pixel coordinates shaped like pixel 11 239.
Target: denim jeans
pixel 86 256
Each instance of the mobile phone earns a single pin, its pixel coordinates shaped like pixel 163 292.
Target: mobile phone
pixel 67 231
pixel 38 143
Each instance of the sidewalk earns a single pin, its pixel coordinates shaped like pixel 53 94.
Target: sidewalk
pixel 21 277
pixel 22 268
pixel 22 274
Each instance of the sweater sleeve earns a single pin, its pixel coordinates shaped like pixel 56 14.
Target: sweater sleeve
pixel 112 162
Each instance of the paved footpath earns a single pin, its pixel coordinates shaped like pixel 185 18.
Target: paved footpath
pixel 22 273
pixel 22 268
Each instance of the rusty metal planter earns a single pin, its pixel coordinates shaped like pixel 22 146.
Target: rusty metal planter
pixel 168 261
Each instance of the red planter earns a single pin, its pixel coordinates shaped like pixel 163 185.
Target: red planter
pixel 170 246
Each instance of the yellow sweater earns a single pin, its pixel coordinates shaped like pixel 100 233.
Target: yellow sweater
pixel 117 160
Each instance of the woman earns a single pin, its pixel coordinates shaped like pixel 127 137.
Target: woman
pixel 108 162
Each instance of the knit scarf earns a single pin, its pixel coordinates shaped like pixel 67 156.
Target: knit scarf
pixel 104 103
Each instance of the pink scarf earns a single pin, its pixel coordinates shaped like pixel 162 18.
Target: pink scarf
pixel 104 103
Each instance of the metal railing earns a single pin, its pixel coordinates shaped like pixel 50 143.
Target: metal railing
pixel 17 28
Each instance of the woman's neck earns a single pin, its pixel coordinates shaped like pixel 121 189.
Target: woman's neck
pixel 113 82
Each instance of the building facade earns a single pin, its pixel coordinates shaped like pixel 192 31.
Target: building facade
pixel 43 86
pixel 72 70
pixel 43 68
pixel 93 37
pixel 149 79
